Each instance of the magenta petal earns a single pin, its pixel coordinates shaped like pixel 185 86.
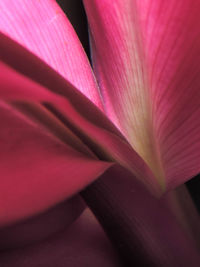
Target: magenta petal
pixel 74 110
pixel 120 67
pixel 37 170
pixel 43 28
pixel 171 32
pixel 148 68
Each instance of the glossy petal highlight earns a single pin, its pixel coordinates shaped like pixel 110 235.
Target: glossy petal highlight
pixel 43 28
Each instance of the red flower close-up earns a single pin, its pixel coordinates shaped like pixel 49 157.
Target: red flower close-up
pixel 100 120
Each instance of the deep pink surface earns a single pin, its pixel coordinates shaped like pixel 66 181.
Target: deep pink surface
pixel 55 142
pixel 43 28
pixel 151 49
pixel 82 124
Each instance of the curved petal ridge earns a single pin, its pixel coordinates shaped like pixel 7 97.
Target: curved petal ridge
pixel 37 170
pixel 43 85
pixel 105 144
pixel 43 28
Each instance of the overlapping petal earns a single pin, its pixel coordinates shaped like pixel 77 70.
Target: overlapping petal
pixel 80 134
pixel 43 28
pixel 147 65
pixel 37 170
pixel 119 65
pixel 54 141
pixel 83 243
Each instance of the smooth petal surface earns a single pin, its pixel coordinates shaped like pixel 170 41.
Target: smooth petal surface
pixel 184 209
pixel 42 161
pixel 84 243
pixel 171 31
pixel 43 28
pixel 37 170
pixel 148 68
pixel 73 110
pixel 119 65
pixel 36 229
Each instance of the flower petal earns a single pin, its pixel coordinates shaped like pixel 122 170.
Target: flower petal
pixel 171 32
pixel 43 28
pixel 119 66
pixel 42 226
pixel 74 111
pixel 148 68
pixel 37 171
pixel 84 243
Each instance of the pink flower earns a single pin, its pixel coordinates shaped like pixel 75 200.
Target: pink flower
pixel 145 81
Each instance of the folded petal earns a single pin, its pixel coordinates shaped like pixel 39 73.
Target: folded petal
pixel 43 28
pixel 37 171
pixel 148 67
pixel 33 82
